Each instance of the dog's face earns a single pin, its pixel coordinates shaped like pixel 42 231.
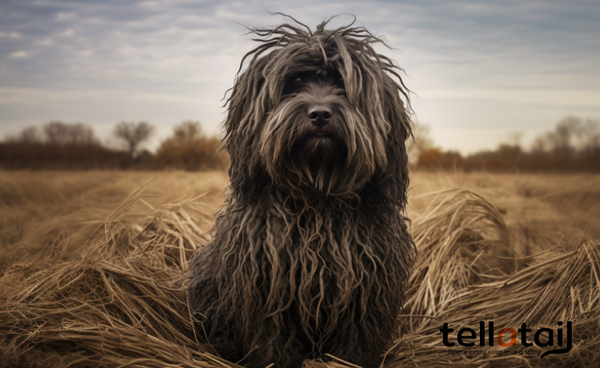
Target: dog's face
pixel 307 136
pixel 320 112
pixel 314 102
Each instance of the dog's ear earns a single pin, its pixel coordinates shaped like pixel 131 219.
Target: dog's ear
pixel 391 184
pixel 246 106
pixel 375 87
pixel 395 184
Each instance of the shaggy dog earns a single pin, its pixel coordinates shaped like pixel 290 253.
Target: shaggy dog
pixel 310 253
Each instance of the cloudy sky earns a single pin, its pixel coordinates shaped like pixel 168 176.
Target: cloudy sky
pixel 479 70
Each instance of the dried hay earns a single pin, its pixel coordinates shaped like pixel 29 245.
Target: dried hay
pixel 122 302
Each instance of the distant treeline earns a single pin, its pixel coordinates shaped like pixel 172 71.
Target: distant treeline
pixel 59 145
pixel 573 146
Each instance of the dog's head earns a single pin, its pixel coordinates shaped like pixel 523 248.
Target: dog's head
pixel 318 112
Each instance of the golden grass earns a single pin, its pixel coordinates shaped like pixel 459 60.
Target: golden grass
pixel 109 293
pixel 37 206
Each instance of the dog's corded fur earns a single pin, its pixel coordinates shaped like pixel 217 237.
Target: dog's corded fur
pixel 310 252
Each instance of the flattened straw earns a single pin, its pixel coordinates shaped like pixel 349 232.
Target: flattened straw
pixel 123 302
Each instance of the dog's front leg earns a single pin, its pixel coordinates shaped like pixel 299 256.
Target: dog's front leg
pixel 363 340
pixel 211 326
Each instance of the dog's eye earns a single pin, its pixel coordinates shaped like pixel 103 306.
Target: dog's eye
pixel 297 81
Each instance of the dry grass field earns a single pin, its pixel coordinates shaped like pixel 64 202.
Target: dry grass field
pixel 37 206
pixel 92 263
pixel 539 209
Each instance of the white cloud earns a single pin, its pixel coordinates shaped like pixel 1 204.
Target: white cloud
pixel 19 54
pixel 64 16
pixel 9 35
pixel 68 33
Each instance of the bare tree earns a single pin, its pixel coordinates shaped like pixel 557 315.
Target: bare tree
pixel 567 130
pixel 59 133
pixel 542 144
pixel 56 132
pixel 590 139
pixel 133 134
pixel 188 129
pixel 29 135
pixel 421 141
pixel 514 139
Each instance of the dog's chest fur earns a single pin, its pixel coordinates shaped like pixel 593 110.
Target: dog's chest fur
pixel 320 260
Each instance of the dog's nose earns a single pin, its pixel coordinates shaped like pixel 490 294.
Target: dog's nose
pixel 319 115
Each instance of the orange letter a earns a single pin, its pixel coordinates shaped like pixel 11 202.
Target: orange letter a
pixel 513 340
